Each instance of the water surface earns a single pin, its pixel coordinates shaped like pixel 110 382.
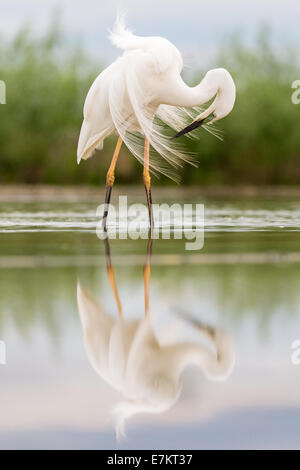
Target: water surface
pixel 245 282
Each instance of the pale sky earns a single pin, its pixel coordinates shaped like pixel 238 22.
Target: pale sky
pixel 194 26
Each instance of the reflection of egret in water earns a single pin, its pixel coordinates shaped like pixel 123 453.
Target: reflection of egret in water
pixel 128 356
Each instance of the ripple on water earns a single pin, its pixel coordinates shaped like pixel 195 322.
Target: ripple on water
pixel 221 217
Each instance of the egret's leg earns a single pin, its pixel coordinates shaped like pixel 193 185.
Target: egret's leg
pixel 110 178
pixel 111 275
pixel 147 275
pixel 147 182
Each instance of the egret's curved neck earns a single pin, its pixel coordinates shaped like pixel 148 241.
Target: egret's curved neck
pixel 216 366
pixel 216 82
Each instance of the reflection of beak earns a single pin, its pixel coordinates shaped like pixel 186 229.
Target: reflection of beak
pixel 196 123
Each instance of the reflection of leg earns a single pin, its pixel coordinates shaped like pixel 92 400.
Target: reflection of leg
pixel 147 274
pixel 147 182
pixel 110 178
pixel 111 275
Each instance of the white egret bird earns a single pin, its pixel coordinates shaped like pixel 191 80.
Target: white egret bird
pixel 143 84
pixel 127 355
pixel 131 359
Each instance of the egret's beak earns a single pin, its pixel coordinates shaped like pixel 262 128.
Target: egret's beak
pixel 189 128
pixel 196 123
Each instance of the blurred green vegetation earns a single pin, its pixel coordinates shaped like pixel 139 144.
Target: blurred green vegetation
pixel 47 80
pixel 38 286
pixel 45 297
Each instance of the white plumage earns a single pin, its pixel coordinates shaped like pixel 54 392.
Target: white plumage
pixel 141 90
pixel 129 357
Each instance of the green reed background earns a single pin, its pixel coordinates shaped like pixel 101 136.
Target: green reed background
pixel 47 80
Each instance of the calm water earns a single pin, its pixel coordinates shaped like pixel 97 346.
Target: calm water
pixel 210 367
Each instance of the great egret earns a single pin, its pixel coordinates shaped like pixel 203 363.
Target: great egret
pixel 130 358
pixel 143 84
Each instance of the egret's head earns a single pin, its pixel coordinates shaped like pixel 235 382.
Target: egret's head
pixel 222 84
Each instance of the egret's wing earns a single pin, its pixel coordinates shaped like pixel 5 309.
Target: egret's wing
pixel 143 343
pixel 97 326
pixel 122 335
pixel 107 341
pixel 97 123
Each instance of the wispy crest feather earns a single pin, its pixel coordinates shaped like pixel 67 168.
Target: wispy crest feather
pixel 121 36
